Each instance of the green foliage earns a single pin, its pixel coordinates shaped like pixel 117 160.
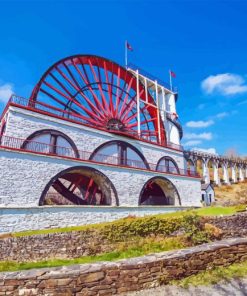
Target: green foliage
pixel 193 230
pixel 141 227
pixel 214 276
pixel 155 225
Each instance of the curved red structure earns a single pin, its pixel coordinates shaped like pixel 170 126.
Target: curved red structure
pixel 103 94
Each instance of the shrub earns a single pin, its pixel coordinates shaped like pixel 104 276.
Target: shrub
pixel 155 225
pixel 213 231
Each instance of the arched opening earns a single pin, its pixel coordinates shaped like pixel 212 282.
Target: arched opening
pixel 159 191
pixel 79 186
pixel 199 167
pixel 190 165
pixel 168 165
pixel 51 142
pixel 120 153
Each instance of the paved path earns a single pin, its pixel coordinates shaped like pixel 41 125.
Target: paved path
pixel 237 287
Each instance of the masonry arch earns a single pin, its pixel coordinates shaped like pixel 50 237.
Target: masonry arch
pixel 120 153
pixel 52 142
pixel 159 191
pixel 167 164
pixel 80 185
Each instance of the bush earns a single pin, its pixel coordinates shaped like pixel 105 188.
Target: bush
pixel 155 225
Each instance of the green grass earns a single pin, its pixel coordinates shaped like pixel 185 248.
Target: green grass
pixel 123 250
pixel 214 276
pixel 217 211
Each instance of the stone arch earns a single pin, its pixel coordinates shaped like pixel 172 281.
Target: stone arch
pixel 118 152
pixel 52 145
pixel 159 191
pixel 79 185
pixel 167 164
pixel 190 164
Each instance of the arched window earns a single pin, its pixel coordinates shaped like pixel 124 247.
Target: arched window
pixel 120 153
pixel 168 165
pixel 51 142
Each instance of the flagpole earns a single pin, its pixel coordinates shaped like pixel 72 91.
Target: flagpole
pixel 126 54
pixel 170 79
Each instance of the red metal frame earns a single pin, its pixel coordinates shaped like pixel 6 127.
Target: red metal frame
pixel 99 90
pixel 65 152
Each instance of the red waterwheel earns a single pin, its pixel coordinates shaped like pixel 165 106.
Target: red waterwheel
pixel 102 94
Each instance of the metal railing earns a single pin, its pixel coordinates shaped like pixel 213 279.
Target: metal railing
pixel 152 77
pixel 66 115
pixel 68 152
pixel 205 154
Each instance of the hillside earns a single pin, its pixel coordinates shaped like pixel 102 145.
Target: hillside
pixel 231 195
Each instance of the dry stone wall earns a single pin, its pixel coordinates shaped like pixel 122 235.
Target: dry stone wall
pixel 232 226
pixel 111 278
pixel 76 244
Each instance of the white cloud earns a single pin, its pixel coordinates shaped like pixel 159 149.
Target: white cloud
pixel 222 115
pixel 209 150
pixel 192 143
pixel 6 90
pixel 202 136
pixel 225 84
pixel 200 123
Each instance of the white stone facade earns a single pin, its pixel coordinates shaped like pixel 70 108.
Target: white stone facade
pixel 23 177
pixel 22 123
pixel 15 219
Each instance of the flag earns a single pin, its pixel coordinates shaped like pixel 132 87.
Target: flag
pixel 173 74
pixel 129 47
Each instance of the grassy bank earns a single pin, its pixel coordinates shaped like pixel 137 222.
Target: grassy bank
pixel 134 236
pixel 214 276
pixel 208 211
pixel 123 251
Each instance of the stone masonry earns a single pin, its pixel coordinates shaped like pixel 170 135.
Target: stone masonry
pixel 111 278
pixel 75 244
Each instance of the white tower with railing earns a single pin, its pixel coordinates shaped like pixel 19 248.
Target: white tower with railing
pixel 165 99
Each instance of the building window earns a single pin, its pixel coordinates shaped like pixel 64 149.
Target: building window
pixel 168 165
pixel 51 142
pixel 120 153
pixel 203 197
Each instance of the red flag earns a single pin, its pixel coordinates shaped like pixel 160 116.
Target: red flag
pixel 129 46
pixel 173 74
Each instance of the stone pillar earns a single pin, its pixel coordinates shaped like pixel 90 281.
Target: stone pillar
pixel 225 173
pixel 234 175
pixel 216 173
pixel 205 171
pixel 241 175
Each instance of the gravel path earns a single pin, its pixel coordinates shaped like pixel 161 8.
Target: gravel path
pixel 236 287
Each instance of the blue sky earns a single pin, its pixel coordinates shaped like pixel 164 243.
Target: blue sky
pixel 203 42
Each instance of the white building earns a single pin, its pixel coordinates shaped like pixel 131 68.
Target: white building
pixel 96 134
pixel 208 195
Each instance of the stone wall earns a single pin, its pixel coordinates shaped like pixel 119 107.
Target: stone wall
pixel 55 245
pixel 17 219
pixel 23 177
pixel 111 278
pixel 76 244
pixel 232 226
